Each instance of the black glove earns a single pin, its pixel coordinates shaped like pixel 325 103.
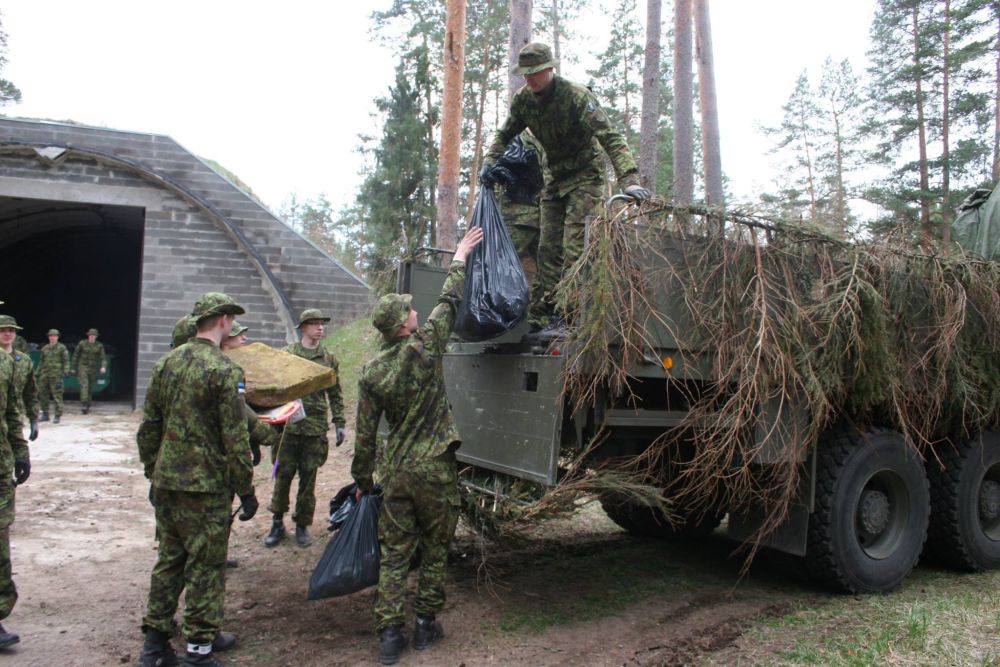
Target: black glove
pixel 494 173
pixel 637 192
pixel 255 453
pixel 249 504
pixel 33 430
pixel 22 468
pixel 340 435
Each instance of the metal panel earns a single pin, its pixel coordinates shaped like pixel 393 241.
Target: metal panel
pixel 424 283
pixel 508 408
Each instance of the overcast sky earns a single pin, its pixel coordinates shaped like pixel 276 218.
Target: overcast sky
pixel 278 92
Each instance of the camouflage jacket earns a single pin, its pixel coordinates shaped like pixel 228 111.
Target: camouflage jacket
pixel 21 344
pixel 12 442
pixel 193 435
pixel 569 123
pixel 25 386
pixel 53 360
pixel 405 382
pixel 89 356
pixel 315 403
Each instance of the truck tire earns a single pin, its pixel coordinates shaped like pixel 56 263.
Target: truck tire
pixel 965 504
pixel 871 511
pixel 643 520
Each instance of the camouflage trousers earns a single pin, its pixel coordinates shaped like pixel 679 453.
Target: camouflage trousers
pixel 50 390
pixel 560 243
pixel 8 592
pixel 88 380
pixel 420 507
pixel 194 539
pixel 521 221
pixel 300 455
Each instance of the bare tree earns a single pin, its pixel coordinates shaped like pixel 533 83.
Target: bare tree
pixel 449 160
pixel 712 154
pixel 520 34
pixel 683 105
pixel 650 123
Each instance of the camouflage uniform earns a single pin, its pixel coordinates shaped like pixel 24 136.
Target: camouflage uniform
pixel 194 448
pixel 12 446
pixel 420 501
pixel 87 359
pixel 53 365
pixel 304 445
pixel 522 218
pixel 26 387
pixel 21 344
pixel 569 123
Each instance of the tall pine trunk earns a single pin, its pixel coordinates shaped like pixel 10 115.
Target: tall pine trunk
pixel 945 120
pixel 925 204
pixel 556 28
pixel 649 125
pixel 683 105
pixel 451 125
pixel 996 110
pixel 520 34
pixel 711 151
pixel 840 203
pixel 477 152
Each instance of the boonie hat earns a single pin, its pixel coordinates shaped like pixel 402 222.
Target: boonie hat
pixel 184 330
pixel 93 332
pixel 533 58
pixel 391 312
pixel 312 314
pixel 237 329
pixel 8 322
pixel 53 332
pixel 215 303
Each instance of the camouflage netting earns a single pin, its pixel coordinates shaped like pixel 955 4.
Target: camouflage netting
pixel 871 333
pixel 275 377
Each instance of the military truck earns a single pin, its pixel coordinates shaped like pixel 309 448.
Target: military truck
pixel 865 503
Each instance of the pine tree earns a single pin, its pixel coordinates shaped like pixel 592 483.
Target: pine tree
pixel 8 91
pixel 617 79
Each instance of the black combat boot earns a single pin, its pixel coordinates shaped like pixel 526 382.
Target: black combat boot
pixel 277 532
pixel 201 655
pixel 56 419
pixel 157 651
pixel 232 563
pixel 427 631
pixel 9 638
pixel 391 643
pixel 86 408
pixel 44 417
pixel 302 536
pixel 223 641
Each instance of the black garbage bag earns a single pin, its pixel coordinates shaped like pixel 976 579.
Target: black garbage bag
pixel 496 291
pixel 341 505
pixel 522 162
pixel 351 559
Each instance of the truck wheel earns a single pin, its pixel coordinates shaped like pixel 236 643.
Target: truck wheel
pixel 643 520
pixel 871 511
pixel 965 504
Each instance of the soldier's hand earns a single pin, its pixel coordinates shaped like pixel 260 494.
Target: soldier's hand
pixel 340 435
pixel 22 469
pixel 33 430
pixel 468 242
pixel 249 504
pixel 486 178
pixel 104 370
pixel 637 192
pixel 255 453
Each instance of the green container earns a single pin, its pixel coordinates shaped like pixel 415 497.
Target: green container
pixel 71 385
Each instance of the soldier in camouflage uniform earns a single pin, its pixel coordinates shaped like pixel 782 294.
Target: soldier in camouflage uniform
pixel 53 365
pixel 194 448
pixel 15 467
pixel 24 374
pixel 519 205
pixel 303 447
pixel 88 357
pixel 570 125
pixel 417 469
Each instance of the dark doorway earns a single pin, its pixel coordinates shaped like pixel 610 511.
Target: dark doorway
pixel 73 266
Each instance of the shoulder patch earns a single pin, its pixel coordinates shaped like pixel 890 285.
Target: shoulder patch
pixel 241 387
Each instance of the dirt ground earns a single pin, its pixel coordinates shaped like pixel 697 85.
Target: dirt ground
pixel 581 592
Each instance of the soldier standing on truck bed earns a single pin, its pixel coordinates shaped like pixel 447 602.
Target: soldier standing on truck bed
pixel 26 389
pixel 405 383
pixel 88 357
pixel 569 123
pixel 53 365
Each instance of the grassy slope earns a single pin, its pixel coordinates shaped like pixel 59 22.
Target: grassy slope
pixel 354 344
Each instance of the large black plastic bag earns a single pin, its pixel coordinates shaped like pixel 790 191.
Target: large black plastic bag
pixel 341 506
pixel 350 561
pixel 522 162
pixel 496 291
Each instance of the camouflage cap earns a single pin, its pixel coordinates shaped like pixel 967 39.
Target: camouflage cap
pixel 312 314
pixel 93 332
pixel 8 322
pixel 215 303
pixel 184 330
pixel 534 58
pixel 53 332
pixel 237 329
pixel 391 312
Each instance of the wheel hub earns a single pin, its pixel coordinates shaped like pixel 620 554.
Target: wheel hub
pixel 874 511
pixel 989 500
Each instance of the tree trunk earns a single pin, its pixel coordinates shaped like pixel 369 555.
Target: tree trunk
pixel 683 106
pixel 555 35
pixel 810 178
pixel 476 152
pixel 945 148
pixel 925 204
pixel 710 141
pixel 841 195
pixel 520 34
pixel 451 125
pixel 650 123
pixel 996 110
